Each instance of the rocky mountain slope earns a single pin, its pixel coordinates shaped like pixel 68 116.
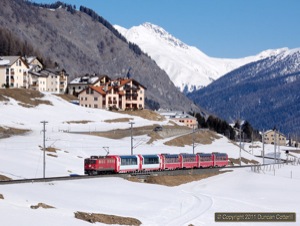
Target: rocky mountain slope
pixel 266 93
pixel 188 67
pixel 83 42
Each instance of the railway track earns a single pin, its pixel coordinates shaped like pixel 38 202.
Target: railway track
pixel 122 175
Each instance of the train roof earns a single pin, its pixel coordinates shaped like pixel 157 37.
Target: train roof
pixel 171 155
pixel 204 154
pixel 150 156
pixel 127 156
pixel 187 154
pixel 219 154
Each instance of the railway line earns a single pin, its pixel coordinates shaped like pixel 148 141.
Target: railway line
pixel 121 175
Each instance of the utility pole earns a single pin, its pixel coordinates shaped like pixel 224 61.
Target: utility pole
pixel 193 139
pixel 252 141
pixel 240 144
pixel 44 147
pixel 263 140
pixel 274 146
pixel 131 123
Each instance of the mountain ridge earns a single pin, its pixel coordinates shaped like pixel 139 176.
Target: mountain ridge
pixel 188 67
pixel 264 92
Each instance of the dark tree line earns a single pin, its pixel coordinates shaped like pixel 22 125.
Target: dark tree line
pixel 68 7
pixel 135 48
pixel 248 132
pixel 216 124
pixel 222 127
pixel 152 104
pixel 11 45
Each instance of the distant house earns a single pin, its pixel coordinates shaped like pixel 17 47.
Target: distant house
pixel 14 72
pixel 49 80
pixel 80 83
pixel 272 137
pixel 122 93
pixel 181 117
pixel 34 63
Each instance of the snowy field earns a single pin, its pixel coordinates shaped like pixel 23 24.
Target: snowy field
pixel 273 189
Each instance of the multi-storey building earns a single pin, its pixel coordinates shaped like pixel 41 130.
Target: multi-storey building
pixel 19 72
pixel 49 80
pixel 274 137
pixel 122 93
pixel 80 83
pixel 14 72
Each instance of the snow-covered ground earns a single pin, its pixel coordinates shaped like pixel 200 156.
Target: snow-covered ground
pixel 274 189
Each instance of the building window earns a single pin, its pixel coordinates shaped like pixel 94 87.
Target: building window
pixel 85 98
pixel 95 105
pixel 95 98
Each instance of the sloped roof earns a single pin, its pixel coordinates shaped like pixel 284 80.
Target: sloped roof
pixel 88 79
pixel 4 62
pixel 98 89
pixel 125 81
pixel 13 59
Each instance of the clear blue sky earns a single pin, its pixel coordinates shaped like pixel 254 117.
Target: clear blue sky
pixel 219 28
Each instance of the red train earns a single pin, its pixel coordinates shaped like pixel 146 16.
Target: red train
pixel 157 162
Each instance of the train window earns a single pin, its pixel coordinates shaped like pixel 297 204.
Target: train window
pixel 189 159
pixel 172 159
pixel 151 160
pixel 128 161
pixel 90 161
pixel 205 158
pixel 221 157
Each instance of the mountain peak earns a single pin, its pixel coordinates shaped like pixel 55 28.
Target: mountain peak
pixel 164 35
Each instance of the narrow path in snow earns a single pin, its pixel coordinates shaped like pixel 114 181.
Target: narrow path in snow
pixel 191 208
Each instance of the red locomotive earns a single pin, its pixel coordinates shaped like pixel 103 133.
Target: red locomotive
pixel 156 162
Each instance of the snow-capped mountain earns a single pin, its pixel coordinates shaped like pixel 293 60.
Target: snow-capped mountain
pixel 188 67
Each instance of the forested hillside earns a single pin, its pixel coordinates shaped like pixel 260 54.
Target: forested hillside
pixel 80 41
pixel 266 93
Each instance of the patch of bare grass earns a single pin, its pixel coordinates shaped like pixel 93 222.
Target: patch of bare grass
pixel 25 97
pixel 177 180
pixel 295 151
pixel 233 161
pixel 49 149
pixel 1 196
pixel 201 137
pixel 118 120
pixel 146 114
pixel 121 133
pixel 106 219
pixel 4 178
pixel 67 97
pixel 6 132
pixel 41 205
pixel 254 146
pixel 78 122
pixel 153 137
